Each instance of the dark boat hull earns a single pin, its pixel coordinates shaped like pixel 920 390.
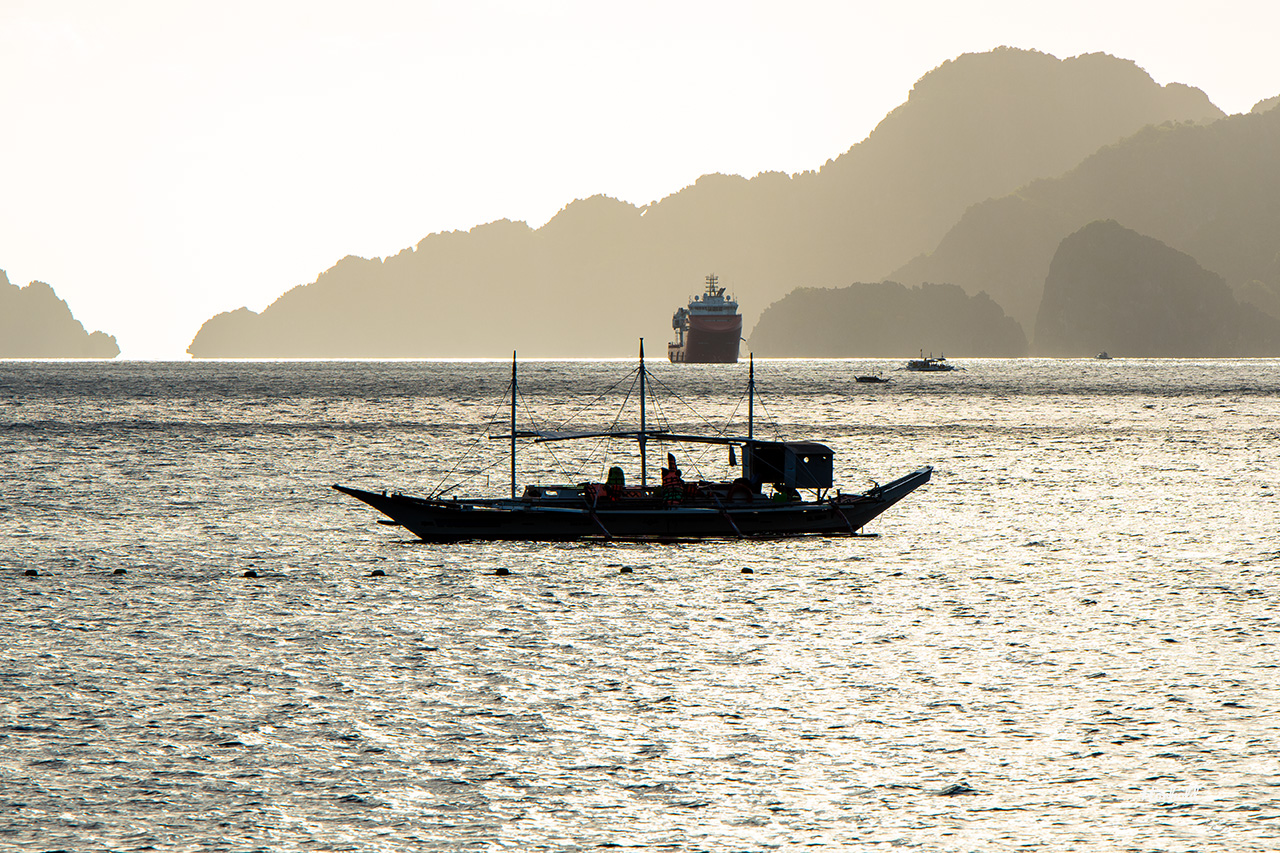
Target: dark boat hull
pixel 451 521
pixel 708 340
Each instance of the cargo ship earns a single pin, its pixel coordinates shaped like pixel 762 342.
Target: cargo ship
pixel 708 329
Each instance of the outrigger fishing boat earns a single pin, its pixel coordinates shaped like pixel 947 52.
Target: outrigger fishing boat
pixel 670 511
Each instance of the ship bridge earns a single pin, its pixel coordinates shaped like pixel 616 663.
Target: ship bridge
pixel 713 300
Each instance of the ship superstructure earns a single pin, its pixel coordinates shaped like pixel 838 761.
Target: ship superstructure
pixel 708 329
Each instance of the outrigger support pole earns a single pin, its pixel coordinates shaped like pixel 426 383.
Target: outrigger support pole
pixel 729 518
pixel 845 518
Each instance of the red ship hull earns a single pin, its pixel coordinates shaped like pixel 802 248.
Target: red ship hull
pixel 709 340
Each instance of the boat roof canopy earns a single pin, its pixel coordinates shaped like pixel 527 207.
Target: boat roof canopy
pixel 797 464
pixel 803 448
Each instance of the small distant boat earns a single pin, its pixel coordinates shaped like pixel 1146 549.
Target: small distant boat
pixel 929 364
pixel 876 378
pixel 1102 355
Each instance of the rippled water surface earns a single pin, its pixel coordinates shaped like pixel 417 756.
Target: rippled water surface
pixel 1068 640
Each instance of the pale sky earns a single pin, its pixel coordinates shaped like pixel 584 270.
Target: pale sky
pixel 162 160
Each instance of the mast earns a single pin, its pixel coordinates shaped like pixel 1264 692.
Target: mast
pixel 751 395
pixel 644 474
pixel 513 425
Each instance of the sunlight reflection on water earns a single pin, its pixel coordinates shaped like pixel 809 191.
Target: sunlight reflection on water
pixel 1064 641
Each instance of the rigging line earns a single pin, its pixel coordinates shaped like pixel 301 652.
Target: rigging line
pixel 635 378
pixel 617 416
pixel 767 416
pixel 695 462
pixel 597 398
pixel 689 406
pixel 475 475
pixel 440 488
pixel 663 418
pixel 598 452
pixel 660 417
pixel 579 472
pixel 696 411
pixel 736 408
pixel 555 460
pixel 727 430
pixel 758 398
pixel 777 430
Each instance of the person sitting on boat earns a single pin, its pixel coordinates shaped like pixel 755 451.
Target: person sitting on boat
pixel 784 493
pixel 615 483
pixel 672 483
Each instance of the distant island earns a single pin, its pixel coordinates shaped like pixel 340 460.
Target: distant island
pixel 35 323
pixel 603 272
pixel 1206 190
pixel 1102 284
pixel 886 319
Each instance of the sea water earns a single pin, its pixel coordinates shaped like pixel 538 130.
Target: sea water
pixel 1067 640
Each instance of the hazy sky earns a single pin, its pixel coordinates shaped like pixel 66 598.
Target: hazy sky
pixel 162 160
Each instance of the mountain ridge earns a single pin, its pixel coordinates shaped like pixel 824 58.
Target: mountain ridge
pixel 1211 191
pixel 886 319
pixel 602 272
pixel 1112 288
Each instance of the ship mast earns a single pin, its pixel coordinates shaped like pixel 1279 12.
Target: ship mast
pixel 751 396
pixel 513 425
pixel 643 465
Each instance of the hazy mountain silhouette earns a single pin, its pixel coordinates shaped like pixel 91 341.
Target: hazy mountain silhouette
pixel 1264 106
pixel 1211 191
pixel 1111 288
pixel 35 323
pixel 886 319
pixel 603 272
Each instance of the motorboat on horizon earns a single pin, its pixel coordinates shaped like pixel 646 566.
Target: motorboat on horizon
pixel 929 364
